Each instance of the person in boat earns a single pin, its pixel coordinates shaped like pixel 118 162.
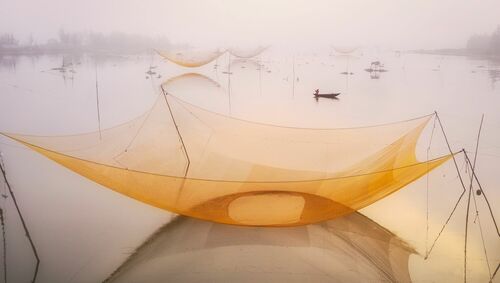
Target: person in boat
pixel 316 92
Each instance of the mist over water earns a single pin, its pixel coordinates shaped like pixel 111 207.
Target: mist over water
pixel 385 23
pixel 75 67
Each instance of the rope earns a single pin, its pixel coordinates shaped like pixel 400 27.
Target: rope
pixel 3 217
pixel 182 142
pixel 473 175
pixel 466 234
pixel 461 182
pixel 301 128
pixel 181 103
pixel 484 195
pixel 492 276
pixel 212 130
pixel 229 83
pixel 481 232
pixel 4 247
pixel 427 188
pixel 451 152
pixel 136 133
pixel 178 132
pixel 495 273
pixel 473 168
pixel 97 103
pixel 22 220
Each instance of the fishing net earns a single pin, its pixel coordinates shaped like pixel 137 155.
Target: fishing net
pixel 191 161
pixel 246 52
pixel 345 49
pixel 190 57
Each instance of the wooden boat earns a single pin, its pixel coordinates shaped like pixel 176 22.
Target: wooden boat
pixel 327 95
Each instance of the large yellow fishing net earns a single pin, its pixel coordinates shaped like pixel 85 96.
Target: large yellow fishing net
pixel 198 163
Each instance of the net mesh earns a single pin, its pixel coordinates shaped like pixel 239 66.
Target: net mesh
pixel 190 57
pixel 198 163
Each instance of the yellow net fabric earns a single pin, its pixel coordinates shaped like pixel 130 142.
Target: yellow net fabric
pixel 190 57
pixel 198 163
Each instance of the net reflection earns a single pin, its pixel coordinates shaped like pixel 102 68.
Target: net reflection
pixel 352 248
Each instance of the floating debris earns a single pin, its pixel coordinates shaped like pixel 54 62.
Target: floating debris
pixel 376 64
pixel 376 67
pixel 370 70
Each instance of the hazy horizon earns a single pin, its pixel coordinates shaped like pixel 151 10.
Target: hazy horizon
pixel 107 138
pixel 384 23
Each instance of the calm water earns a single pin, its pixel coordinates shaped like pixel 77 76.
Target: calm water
pixel 83 231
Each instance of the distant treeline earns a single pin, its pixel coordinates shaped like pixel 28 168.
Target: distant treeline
pixel 485 44
pixel 83 42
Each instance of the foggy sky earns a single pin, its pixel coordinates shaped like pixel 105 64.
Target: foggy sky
pixel 386 23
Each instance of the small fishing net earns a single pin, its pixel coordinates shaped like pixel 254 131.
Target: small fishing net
pixel 190 57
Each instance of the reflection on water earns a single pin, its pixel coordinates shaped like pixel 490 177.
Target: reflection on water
pixel 494 75
pixel 84 232
pixel 8 62
pixel 350 249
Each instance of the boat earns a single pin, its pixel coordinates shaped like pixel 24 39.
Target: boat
pixel 327 95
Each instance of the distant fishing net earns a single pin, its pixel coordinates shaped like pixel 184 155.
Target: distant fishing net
pixel 241 52
pixel 190 57
pixel 199 57
pixel 198 163
pixel 344 49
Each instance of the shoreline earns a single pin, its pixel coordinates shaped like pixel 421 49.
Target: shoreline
pixel 63 51
pixel 457 52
